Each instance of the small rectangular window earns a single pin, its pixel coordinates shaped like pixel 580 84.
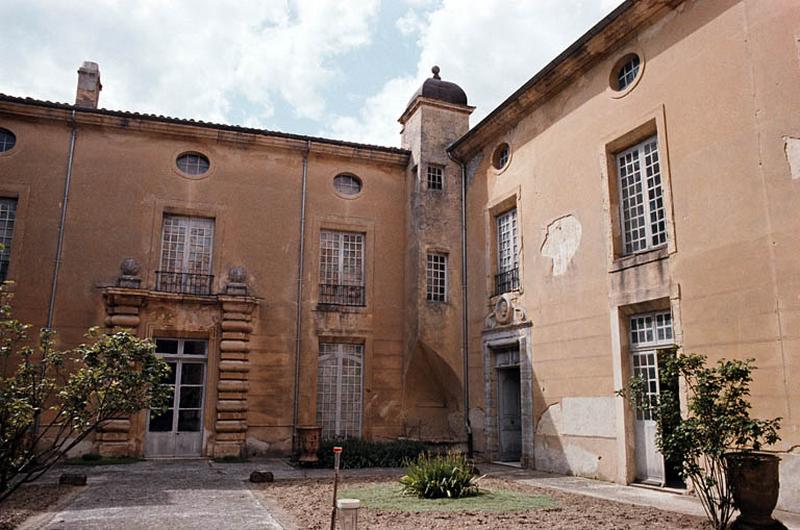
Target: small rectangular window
pixel 341 268
pixel 435 177
pixel 507 277
pixel 339 389
pixel 642 211
pixel 437 277
pixel 186 252
pixel 8 216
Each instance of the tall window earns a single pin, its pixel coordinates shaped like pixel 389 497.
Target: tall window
pixel 186 251
pixel 8 216
pixel 435 177
pixel 649 332
pixel 339 389
pixel 641 197
pixel 507 278
pixel 437 277
pixel 341 268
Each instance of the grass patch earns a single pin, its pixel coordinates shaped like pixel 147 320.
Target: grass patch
pixel 389 498
pixel 93 459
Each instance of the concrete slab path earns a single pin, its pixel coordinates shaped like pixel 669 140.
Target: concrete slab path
pixel 163 494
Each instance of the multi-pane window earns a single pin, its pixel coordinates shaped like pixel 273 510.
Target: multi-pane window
pixel 435 177
pixel 641 197
pixel 193 163
pixel 186 251
pixel 8 216
pixel 341 268
pixel 7 140
pixel 437 277
pixel 507 278
pixel 339 389
pixel 345 184
pixel 628 72
pixel 648 333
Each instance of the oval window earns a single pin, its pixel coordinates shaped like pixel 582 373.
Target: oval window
pixel 193 163
pixel 348 185
pixel 501 156
pixel 626 72
pixel 7 140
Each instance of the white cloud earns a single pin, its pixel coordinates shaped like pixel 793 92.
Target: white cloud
pixel 195 59
pixel 489 49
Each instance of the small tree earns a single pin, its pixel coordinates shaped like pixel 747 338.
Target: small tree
pixel 718 422
pixel 50 400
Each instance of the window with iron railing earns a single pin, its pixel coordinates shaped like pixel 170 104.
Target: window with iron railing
pixel 186 252
pixel 436 275
pixel 8 216
pixel 341 268
pixel 507 277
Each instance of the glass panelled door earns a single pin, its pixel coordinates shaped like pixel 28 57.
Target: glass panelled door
pixel 179 430
pixel 649 332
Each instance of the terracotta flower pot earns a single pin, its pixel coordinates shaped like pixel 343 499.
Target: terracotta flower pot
pixel 308 437
pixel 754 481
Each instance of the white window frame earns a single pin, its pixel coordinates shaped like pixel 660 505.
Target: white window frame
pixel 331 395
pixel 647 333
pixel 646 193
pixel 507 241
pixel 189 264
pixel 8 219
pixel 436 276
pixel 337 272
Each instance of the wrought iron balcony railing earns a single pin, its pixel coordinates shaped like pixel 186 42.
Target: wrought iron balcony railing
pixel 506 281
pixel 184 283
pixel 352 295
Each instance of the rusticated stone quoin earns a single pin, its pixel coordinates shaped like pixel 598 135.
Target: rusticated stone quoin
pixel 234 368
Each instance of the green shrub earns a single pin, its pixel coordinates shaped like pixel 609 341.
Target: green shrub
pixel 91 457
pixel 436 477
pixel 358 453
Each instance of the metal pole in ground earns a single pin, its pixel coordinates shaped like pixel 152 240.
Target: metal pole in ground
pixel 337 452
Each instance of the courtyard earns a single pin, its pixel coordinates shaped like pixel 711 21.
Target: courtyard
pixel 182 494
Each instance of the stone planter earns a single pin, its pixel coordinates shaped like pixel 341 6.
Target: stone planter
pixel 308 440
pixel 754 481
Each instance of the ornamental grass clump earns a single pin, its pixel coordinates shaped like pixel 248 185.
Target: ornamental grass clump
pixel 449 476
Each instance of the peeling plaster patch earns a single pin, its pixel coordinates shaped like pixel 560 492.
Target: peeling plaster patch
pixel 792 149
pixel 550 421
pixel 588 416
pixel 256 447
pixel 561 242
pixel 560 455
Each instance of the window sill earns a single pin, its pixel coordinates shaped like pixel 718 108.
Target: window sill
pixel 336 308
pixel 634 260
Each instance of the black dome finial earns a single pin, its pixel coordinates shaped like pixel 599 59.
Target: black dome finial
pixel 435 71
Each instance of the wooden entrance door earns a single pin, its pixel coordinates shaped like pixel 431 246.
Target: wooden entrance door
pixel 178 432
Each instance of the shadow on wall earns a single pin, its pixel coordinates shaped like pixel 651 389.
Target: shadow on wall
pixel 432 398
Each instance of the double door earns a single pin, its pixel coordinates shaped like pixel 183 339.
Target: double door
pixel 178 431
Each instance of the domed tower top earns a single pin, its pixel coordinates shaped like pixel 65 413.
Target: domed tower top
pixel 435 88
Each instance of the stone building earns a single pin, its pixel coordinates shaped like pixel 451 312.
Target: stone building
pixel 639 191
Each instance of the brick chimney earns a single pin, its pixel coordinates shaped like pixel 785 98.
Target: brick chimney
pixel 89 86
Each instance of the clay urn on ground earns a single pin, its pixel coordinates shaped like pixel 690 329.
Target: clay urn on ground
pixel 308 437
pixel 755 484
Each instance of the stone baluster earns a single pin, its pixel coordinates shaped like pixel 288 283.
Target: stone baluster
pixel 234 347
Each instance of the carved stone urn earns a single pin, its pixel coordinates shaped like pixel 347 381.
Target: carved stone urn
pixel 308 437
pixel 755 483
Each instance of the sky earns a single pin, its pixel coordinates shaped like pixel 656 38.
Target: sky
pixel 343 69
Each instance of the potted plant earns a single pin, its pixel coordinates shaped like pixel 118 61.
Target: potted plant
pixel 715 445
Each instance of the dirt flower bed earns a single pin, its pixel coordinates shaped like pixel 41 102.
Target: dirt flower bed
pixel 30 500
pixel 308 504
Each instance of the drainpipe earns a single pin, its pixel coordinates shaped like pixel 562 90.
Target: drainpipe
pixel 60 243
pixel 464 301
pixel 299 313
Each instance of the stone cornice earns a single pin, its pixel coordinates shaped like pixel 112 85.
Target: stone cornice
pixel 161 125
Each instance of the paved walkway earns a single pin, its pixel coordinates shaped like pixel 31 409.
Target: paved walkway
pixel 170 494
pixel 182 494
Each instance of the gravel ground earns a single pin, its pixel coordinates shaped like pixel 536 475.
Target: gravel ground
pixel 30 500
pixel 308 503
